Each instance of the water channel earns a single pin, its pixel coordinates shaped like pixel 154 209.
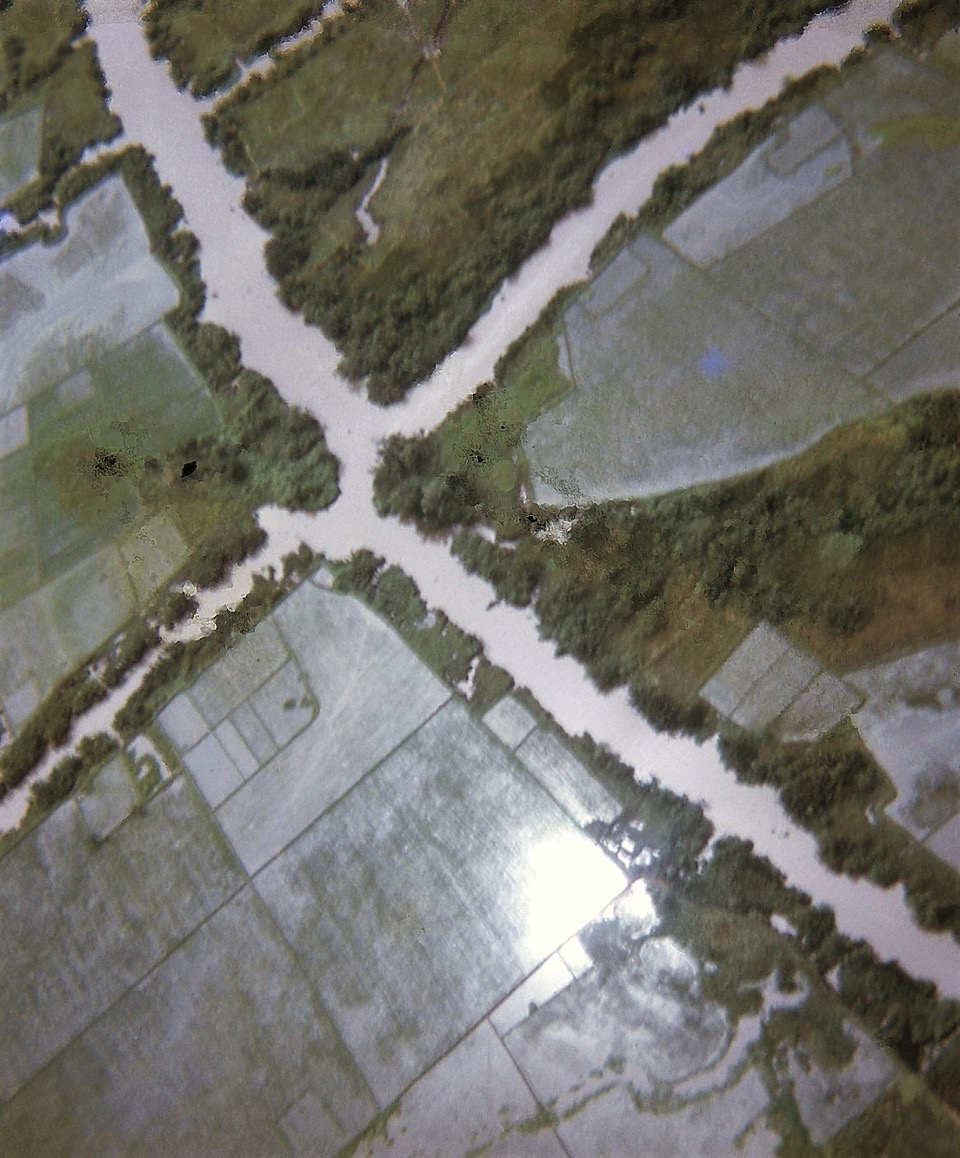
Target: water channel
pixel 302 364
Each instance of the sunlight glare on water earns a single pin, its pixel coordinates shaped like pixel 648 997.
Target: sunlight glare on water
pixel 567 883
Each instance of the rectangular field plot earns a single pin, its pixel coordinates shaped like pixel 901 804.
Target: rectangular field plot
pixel 767 679
pixel 83 921
pixel 677 382
pixel 930 361
pixel 794 168
pixel 91 385
pixel 90 292
pixel 826 273
pixel 280 129
pixel 204 1057
pixel 768 317
pixel 510 721
pixel 48 633
pixel 428 892
pixel 567 780
pixel 354 692
pixel 250 662
pixel 19 150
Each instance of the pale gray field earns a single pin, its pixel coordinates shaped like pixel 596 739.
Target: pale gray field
pixel 219 1050
pixel 807 158
pixel 441 932
pixel 157 1002
pixel 510 721
pixel 911 724
pixel 815 284
pixel 677 382
pixel 415 904
pixel 566 779
pixel 63 305
pixel 84 921
pixel 768 681
pixel 333 717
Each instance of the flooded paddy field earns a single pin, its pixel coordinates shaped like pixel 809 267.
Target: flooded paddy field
pixel 375 920
pixel 911 723
pixel 763 317
pixel 19 150
pixel 432 943
pixel 93 387
pixel 632 1058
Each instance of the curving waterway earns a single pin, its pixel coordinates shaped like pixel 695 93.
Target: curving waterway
pixel 302 364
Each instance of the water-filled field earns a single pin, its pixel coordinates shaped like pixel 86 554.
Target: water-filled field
pixel 765 316
pixel 92 385
pixel 401 903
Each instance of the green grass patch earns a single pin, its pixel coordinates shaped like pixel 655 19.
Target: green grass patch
pixel 44 64
pixel 323 106
pixel 205 43
pixel 933 131
pixel 35 35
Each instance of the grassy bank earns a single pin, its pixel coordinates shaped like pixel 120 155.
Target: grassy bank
pixel 205 45
pixel 47 63
pixel 494 119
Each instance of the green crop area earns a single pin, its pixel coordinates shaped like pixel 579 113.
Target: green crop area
pixel 493 118
pixel 47 67
pixel 205 43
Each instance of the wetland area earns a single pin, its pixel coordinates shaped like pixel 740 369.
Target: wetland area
pixel 529 822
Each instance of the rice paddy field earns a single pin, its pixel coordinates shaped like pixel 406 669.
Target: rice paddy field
pixel 19 150
pixel 678 383
pixel 340 936
pixel 910 721
pixel 94 386
pixel 434 952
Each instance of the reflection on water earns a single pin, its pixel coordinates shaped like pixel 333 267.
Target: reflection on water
pixel 635 912
pixel 568 882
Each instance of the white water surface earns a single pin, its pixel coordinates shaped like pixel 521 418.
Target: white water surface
pixel 302 363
